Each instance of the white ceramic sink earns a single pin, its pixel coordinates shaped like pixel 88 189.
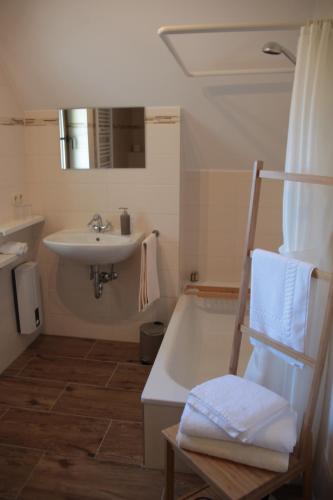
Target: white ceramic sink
pixel 93 248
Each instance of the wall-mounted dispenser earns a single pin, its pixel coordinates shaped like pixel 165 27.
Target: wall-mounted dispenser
pixel 27 297
pixel 125 221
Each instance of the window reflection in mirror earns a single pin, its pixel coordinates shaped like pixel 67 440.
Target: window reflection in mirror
pixel 102 138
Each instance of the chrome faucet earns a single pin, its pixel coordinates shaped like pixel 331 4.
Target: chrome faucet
pixel 96 224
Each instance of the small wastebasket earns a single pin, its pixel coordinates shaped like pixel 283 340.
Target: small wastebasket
pixel 151 336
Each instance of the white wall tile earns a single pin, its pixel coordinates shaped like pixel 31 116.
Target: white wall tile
pixel 212 212
pixel 213 220
pixel 69 199
pixel 167 224
pixel 162 169
pixel 162 139
pixel 12 181
pixel 161 111
pixel 169 281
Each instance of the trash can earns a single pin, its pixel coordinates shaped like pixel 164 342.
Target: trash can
pixel 151 336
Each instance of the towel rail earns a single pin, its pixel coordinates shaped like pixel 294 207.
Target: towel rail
pixel 212 292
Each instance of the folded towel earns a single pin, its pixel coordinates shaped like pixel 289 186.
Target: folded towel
pixel 237 452
pixel 235 404
pixel 278 435
pixel 14 248
pixel 280 290
pixel 149 290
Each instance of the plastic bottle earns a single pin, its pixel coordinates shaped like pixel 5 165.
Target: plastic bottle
pixel 125 222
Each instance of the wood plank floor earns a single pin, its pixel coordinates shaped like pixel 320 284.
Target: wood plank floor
pixel 71 424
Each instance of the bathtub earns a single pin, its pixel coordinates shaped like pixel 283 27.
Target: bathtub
pixel 196 347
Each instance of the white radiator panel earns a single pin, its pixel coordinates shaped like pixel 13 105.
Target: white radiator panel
pixel 27 298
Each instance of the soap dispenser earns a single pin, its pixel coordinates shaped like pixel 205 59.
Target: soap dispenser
pixel 125 221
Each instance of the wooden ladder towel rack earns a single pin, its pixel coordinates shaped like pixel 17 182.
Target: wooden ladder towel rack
pixel 233 481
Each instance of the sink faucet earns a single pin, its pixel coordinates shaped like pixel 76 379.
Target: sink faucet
pixel 96 224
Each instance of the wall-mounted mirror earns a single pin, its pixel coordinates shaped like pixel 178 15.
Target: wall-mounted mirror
pixel 102 138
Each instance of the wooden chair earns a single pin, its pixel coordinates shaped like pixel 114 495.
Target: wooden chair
pixel 230 480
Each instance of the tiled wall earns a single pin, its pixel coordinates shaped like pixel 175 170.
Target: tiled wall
pixel 12 180
pixel 70 198
pixel 214 214
pixel 214 205
pixel 11 149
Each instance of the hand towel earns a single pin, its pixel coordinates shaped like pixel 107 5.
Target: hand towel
pixel 235 404
pixel 280 291
pixel 236 452
pixel 149 289
pixel 14 248
pixel 278 435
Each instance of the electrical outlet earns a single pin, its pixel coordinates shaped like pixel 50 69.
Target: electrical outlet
pixel 17 199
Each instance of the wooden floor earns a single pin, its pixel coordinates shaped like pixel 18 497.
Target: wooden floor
pixel 71 424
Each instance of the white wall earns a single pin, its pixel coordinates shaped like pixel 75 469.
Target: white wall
pixel 323 8
pixel 83 52
pixel 12 180
pixel 11 148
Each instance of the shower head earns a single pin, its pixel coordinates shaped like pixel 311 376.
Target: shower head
pixel 274 48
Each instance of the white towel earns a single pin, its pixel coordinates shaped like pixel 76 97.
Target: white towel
pixel 278 435
pixel 149 290
pixel 237 452
pixel 14 248
pixel 235 404
pixel 280 290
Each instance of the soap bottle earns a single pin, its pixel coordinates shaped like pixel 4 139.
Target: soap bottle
pixel 125 222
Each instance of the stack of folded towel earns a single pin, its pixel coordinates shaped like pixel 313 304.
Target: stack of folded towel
pixel 236 419
pixel 14 248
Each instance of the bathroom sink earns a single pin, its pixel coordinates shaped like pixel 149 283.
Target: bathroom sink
pixel 93 248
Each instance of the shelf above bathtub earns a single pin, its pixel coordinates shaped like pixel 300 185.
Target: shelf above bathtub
pixel 212 292
pixel 5 260
pixel 14 225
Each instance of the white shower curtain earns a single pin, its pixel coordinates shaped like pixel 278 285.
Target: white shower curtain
pixel 307 209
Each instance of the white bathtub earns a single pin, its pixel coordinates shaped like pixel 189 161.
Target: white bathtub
pixel 196 347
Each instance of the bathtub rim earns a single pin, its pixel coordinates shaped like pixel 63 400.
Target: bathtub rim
pixel 173 393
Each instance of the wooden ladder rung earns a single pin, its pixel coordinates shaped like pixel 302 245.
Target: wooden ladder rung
pixel 278 345
pixel 316 273
pixel 323 275
pixel 288 176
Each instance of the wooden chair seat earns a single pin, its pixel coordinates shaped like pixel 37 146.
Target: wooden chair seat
pixel 230 480
pixel 205 492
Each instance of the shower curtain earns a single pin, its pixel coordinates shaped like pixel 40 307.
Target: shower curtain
pixel 307 209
